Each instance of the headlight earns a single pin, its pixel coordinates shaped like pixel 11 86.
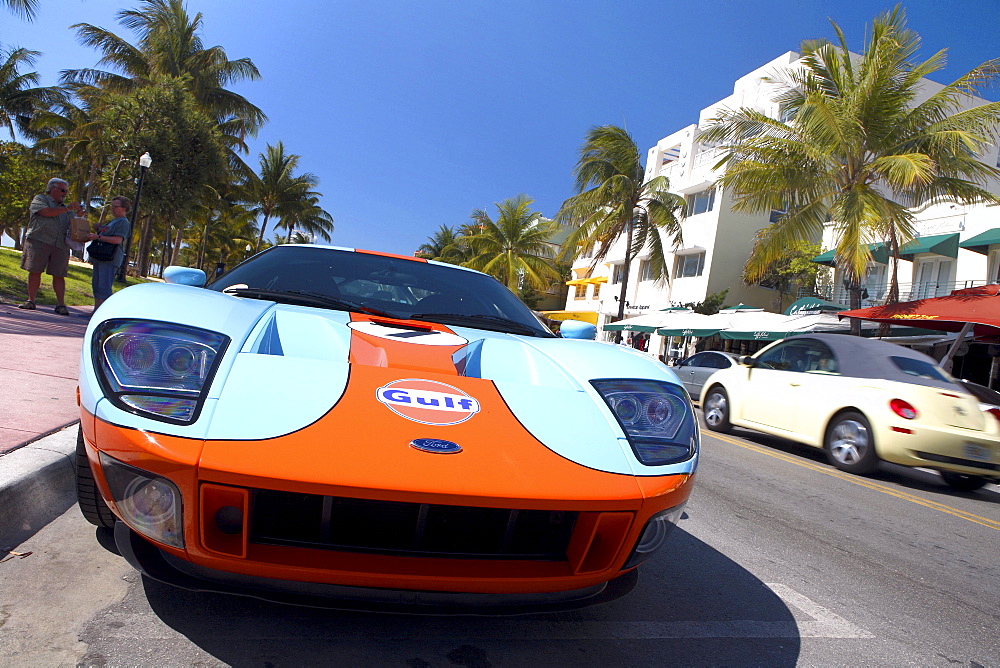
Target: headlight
pixel 156 369
pixel 657 418
pixel 654 535
pixel 149 504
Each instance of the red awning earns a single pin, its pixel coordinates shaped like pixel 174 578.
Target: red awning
pixel 979 306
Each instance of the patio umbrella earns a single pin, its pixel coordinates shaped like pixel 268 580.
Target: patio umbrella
pixel 648 322
pixel 692 324
pixel 773 326
pixel 970 309
pixel 975 310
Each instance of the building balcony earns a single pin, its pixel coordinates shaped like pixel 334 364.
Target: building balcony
pixel 876 293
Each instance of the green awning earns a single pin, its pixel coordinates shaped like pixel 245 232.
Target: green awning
pixel 663 331
pixel 878 250
pixel 828 258
pixel 981 242
pixel 755 336
pixel 813 304
pixel 624 326
pixel 940 244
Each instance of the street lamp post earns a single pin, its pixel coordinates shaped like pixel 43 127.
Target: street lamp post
pixel 144 163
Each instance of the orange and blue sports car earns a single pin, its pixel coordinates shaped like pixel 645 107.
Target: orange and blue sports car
pixel 337 425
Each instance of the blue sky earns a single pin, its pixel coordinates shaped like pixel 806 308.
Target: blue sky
pixel 412 114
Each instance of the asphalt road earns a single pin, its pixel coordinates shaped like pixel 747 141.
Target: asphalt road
pixel 779 560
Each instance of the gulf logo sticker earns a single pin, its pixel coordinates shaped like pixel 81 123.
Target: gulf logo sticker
pixel 427 401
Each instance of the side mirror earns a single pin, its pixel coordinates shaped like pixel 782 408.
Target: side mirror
pixel 746 360
pixel 577 329
pixel 185 276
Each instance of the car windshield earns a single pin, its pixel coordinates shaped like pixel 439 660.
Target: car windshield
pixel 380 285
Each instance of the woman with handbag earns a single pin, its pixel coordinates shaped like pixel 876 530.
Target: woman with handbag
pixel 105 249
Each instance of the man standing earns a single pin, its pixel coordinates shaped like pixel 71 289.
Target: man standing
pixel 45 247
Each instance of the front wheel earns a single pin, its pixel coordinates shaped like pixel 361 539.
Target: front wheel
pixel 716 410
pixel 963 482
pixel 850 445
pixel 88 496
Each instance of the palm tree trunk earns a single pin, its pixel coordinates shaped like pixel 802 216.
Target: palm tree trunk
pixel 263 228
pixel 145 242
pixel 625 272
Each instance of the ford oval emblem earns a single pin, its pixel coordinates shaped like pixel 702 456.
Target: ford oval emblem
pixel 435 445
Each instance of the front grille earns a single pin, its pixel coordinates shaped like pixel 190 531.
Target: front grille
pixel 958 461
pixel 412 529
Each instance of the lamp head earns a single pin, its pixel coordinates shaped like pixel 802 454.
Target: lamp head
pixel 145 160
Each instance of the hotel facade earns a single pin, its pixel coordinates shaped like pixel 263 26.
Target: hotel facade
pixel 958 245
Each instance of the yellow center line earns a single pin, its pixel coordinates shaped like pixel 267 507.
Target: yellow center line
pixel 862 482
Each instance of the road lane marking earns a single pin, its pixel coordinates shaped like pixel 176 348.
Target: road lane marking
pixel 824 624
pixel 863 482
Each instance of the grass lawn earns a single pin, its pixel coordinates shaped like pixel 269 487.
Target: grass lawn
pixel 14 288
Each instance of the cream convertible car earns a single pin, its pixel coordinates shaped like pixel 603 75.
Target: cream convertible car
pixel 861 400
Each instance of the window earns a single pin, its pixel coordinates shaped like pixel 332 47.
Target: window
pixel 597 291
pixel 701 202
pixel 671 155
pixel 786 113
pixel 579 292
pixel 618 275
pixel 645 270
pixel 993 273
pixel 800 356
pixel 918 368
pixel 776 214
pixel 691 264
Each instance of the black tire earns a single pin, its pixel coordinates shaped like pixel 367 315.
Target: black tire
pixel 716 410
pixel 87 495
pixel 962 481
pixel 850 444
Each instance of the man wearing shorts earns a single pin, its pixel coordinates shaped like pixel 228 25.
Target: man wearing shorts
pixel 45 247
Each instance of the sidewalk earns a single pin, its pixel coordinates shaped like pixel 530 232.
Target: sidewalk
pixel 39 362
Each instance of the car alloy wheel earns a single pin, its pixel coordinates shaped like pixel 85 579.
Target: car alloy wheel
pixel 716 410
pixel 849 444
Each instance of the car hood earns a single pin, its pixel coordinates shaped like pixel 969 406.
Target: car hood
pixel 318 395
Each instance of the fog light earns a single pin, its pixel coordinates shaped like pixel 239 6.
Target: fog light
pixel 654 535
pixel 229 519
pixel 148 503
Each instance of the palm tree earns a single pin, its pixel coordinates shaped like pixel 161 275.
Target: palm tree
pixel 614 202
pixel 445 245
pixel 277 191
pixel 25 8
pixel 169 45
pixel 20 98
pixel 515 248
pixel 308 218
pixel 859 148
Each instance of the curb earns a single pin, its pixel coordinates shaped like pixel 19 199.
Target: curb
pixel 37 484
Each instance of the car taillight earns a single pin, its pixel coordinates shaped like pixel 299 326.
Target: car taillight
pixel 903 409
pixel 995 412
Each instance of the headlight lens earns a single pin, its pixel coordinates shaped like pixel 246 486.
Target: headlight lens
pixel 654 535
pixel 148 503
pixel 156 369
pixel 657 418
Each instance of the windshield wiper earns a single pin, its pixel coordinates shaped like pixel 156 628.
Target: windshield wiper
pixel 490 322
pixel 306 298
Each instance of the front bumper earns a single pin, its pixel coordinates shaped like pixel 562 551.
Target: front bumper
pixel 163 567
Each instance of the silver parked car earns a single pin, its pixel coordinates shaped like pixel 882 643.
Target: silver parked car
pixel 695 370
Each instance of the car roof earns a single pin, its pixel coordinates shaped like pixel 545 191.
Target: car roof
pixel 862 357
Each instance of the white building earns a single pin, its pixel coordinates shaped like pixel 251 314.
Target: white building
pixel 959 245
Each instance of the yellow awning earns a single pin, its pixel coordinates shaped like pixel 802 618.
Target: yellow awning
pixel 578 281
pixel 585 316
pixel 598 279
